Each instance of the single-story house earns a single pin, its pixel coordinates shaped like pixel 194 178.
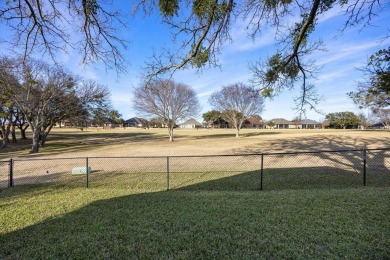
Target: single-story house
pixel 310 124
pixel 379 125
pixel 281 123
pixel 111 124
pixel 254 121
pixel 136 122
pixel 191 123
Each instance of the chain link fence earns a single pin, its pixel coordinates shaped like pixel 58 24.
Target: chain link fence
pixel 268 171
pixel 4 174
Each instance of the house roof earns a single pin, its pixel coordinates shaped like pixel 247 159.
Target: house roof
pixel 255 120
pixel 309 122
pixel 136 120
pixel 191 121
pixel 377 125
pixel 281 121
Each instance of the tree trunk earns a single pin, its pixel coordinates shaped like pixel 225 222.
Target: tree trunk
pixel 5 131
pixel 35 146
pixel 43 140
pixel 5 140
pixel 170 132
pixel 237 131
pixel 238 125
pixel 44 135
pixel 23 131
pixel 23 134
pixel 13 133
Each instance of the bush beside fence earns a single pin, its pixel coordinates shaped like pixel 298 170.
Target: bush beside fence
pixel 268 171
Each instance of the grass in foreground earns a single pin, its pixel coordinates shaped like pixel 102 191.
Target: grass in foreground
pixel 60 223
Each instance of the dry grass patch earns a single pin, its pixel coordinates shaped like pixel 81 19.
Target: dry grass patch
pixel 154 142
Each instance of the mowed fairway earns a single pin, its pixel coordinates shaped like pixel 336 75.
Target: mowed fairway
pixel 154 142
pixel 196 220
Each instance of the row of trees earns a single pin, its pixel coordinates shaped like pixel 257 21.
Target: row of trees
pixel 350 119
pixel 172 102
pixel 38 95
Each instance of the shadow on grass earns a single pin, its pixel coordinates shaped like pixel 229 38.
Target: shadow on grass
pixel 288 179
pixel 273 179
pixel 196 224
pixel 233 134
pixel 62 142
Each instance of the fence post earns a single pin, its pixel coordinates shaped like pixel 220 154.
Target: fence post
pixel 364 166
pixel 11 173
pixel 167 173
pixel 261 171
pixel 87 171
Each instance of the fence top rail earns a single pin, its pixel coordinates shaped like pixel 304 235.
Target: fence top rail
pixel 134 157
pixel 199 156
pixel 328 151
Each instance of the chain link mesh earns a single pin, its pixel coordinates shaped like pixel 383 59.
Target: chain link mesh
pixel 4 174
pixel 240 172
pixel 48 171
pixel 136 173
pixel 378 168
pixel 331 169
pixel 313 170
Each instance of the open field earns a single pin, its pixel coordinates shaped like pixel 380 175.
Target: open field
pixel 154 142
pixel 312 205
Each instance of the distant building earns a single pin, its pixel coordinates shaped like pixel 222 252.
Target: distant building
pixel 111 124
pixel 136 122
pixel 191 123
pixel 254 121
pixel 378 126
pixel 310 124
pixel 281 123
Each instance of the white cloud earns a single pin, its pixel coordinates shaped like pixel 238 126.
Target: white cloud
pixel 333 12
pixel 354 50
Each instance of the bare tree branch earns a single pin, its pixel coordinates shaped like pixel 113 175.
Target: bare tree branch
pixel 50 26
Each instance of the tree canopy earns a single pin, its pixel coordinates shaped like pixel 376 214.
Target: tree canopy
pixel 42 95
pixel 237 102
pixel 374 91
pixel 200 29
pixel 342 119
pixel 167 100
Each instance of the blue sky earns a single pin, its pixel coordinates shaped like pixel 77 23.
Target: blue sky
pixel 338 76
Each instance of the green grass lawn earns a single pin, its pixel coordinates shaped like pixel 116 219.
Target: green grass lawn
pixel 50 222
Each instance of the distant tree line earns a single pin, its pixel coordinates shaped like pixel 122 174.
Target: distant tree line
pixel 346 120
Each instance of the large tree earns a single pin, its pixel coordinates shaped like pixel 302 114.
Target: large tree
pixel 374 91
pixel 200 28
pixel 384 116
pixel 342 119
pixel 237 102
pixel 215 118
pixel 167 100
pixel 96 103
pixel 8 81
pixel 43 97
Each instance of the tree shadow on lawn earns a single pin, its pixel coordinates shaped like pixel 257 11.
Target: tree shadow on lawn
pixel 233 134
pixel 59 143
pixel 288 179
pixel 191 223
pixel 315 143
